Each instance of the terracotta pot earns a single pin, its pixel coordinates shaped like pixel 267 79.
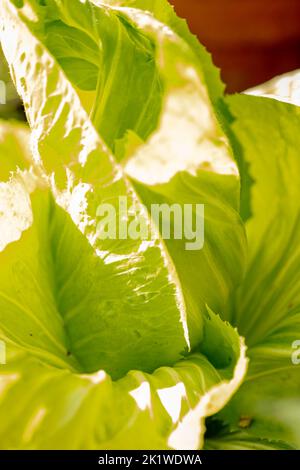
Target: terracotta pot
pixel 251 40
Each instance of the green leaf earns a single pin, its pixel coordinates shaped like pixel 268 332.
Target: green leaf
pixel 111 50
pixel 244 441
pixel 268 133
pixel 86 174
pixel 61 410
pixel 209 275
pixel 61 407
pixel 164 12
pixel 267 304
pixel 104 53
pixel 28 313
pixel 53 402
pixel 88 304
pixel 267 404
pixel 109 305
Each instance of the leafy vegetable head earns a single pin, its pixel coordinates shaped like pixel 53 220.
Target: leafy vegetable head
pixel 112 336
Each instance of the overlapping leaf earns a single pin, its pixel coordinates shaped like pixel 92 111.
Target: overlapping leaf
pixel 88 304
pixel 53 401
pixel 65 138
pixel 267 305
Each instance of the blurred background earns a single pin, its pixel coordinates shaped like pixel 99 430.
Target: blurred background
pixel 250 40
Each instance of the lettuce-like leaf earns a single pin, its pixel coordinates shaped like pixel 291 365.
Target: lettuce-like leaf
pixel 243 440
pixel 86 174
pixel 267 305
pixel 62 410
pixel 200 170
pixel 270 145
pixel 78 304
pixel 57 405
pixel 164 12
pixel 267 404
